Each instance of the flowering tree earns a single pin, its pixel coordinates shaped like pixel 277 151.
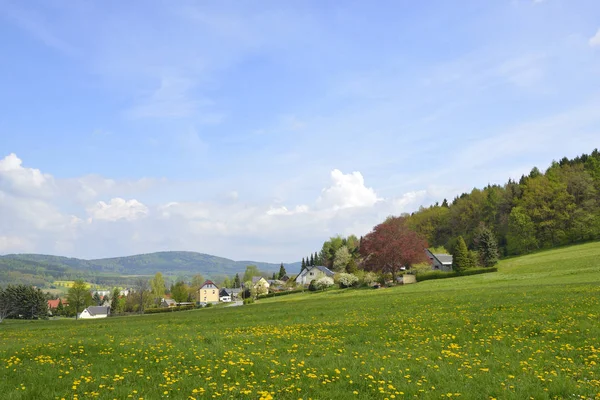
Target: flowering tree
pixel 324 283
pixel 392 245
pixel 347 280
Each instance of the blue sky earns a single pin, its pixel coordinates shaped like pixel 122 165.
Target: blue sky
pixel 257 130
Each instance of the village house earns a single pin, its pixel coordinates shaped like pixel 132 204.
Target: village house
pixel 227 295
pixel 95 312
pixel 168 303
pixel 313 273
pixel 442 262
pixel 208 293
pixel 53 304
pixel 260 284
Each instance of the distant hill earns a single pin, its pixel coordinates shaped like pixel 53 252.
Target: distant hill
pixel 41 270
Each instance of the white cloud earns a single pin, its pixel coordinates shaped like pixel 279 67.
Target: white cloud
pixel 595 40
pixel 118 209
pixel 20 180
pixel 347 191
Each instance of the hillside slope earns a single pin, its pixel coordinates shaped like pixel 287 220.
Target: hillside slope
pixel 41 269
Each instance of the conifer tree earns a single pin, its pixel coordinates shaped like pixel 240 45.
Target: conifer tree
pixel 460 258
pixel 236 281
pixel 282 271
pixel 303 265
pixel 317 260
pixel 312 261
pixel 487 246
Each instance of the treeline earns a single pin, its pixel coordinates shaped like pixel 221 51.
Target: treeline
pixel 543 209
pixel 22 301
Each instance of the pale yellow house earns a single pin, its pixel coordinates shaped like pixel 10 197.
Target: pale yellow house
pixel 260 284
pixel 208 293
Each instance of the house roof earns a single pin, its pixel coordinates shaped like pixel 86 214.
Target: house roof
pixel 169 301
pixel 98 310
pixel 445 259
pixel 323 269
pixel 285 278
pixel 231 291
pixel 208 283
pixel 54 303
pixel 256 279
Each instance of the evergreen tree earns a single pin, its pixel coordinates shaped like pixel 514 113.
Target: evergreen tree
pixel 473 259
pixel 317 260
pixel 236 281
pixel 114 301
pixel 460 257
pixel 312 260
pixel 97 299
pixel 487 246
pixel 303 265
pixel 352 267
pixel 282 271
pixel 60 309
pixel 274 277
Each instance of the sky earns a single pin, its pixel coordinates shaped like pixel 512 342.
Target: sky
pixel 257 130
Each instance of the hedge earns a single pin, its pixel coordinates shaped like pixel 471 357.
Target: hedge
pixel 426 276
pixel 168 309
pixel 276 294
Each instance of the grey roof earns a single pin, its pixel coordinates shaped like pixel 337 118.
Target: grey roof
pixel 256 279
pixel 98 310
pixel 231 291
pixel 323 269
pixel 444 258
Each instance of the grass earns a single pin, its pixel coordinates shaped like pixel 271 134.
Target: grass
pixel 528 331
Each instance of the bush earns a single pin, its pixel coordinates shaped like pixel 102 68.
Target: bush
pixel 277 294
pixel 168 309
pixel 209 304
pixel 369 278
pixel 324 282
pixel 426 276
pixel 347 280
pixel 249 300
pixel 313 286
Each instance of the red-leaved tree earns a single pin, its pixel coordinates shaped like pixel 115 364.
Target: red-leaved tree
pixel 392 245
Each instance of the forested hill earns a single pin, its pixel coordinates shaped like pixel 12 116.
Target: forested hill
pixel 542 210
pixel 41 269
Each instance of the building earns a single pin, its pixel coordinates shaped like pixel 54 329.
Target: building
pixel 441 262
pixel 227 295
pixel 95 312
pixel 260 284
pixel 208 293
pixel 309 274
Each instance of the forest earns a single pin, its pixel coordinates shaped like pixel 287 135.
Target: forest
pixel 547 209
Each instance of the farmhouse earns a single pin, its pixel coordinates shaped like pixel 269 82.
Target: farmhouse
pixel 226 295
pixel 208 293
pixel 442 262
pixel 95 312
pixel 168 303
pixel 311 273
pixel 260 284
pixel 53 304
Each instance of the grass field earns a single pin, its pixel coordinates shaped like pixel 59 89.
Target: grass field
pixel 531 330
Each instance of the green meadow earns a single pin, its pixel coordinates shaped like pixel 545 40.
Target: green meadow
pixel 530 330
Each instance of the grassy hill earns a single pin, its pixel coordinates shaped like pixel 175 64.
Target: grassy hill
pixel 41 270
pixel 528 331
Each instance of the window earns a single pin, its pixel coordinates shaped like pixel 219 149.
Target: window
pixel 311 274
pixel 213 292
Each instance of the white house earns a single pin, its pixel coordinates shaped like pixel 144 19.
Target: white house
pixel 95 312
pixel 313 273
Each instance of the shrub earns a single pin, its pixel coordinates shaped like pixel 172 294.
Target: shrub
pixel 167 309
pixel 313 286
pixel 347 280
pixel 426 276
pixel 324 283
pixel 282 293
pixel 369 278
pixel 249 300
pixel 209 304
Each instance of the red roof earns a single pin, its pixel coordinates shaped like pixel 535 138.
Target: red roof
pixel 54 303
pixel 208 282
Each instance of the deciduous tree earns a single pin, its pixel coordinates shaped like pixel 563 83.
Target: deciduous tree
pixel 392 245
pixel 79 297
